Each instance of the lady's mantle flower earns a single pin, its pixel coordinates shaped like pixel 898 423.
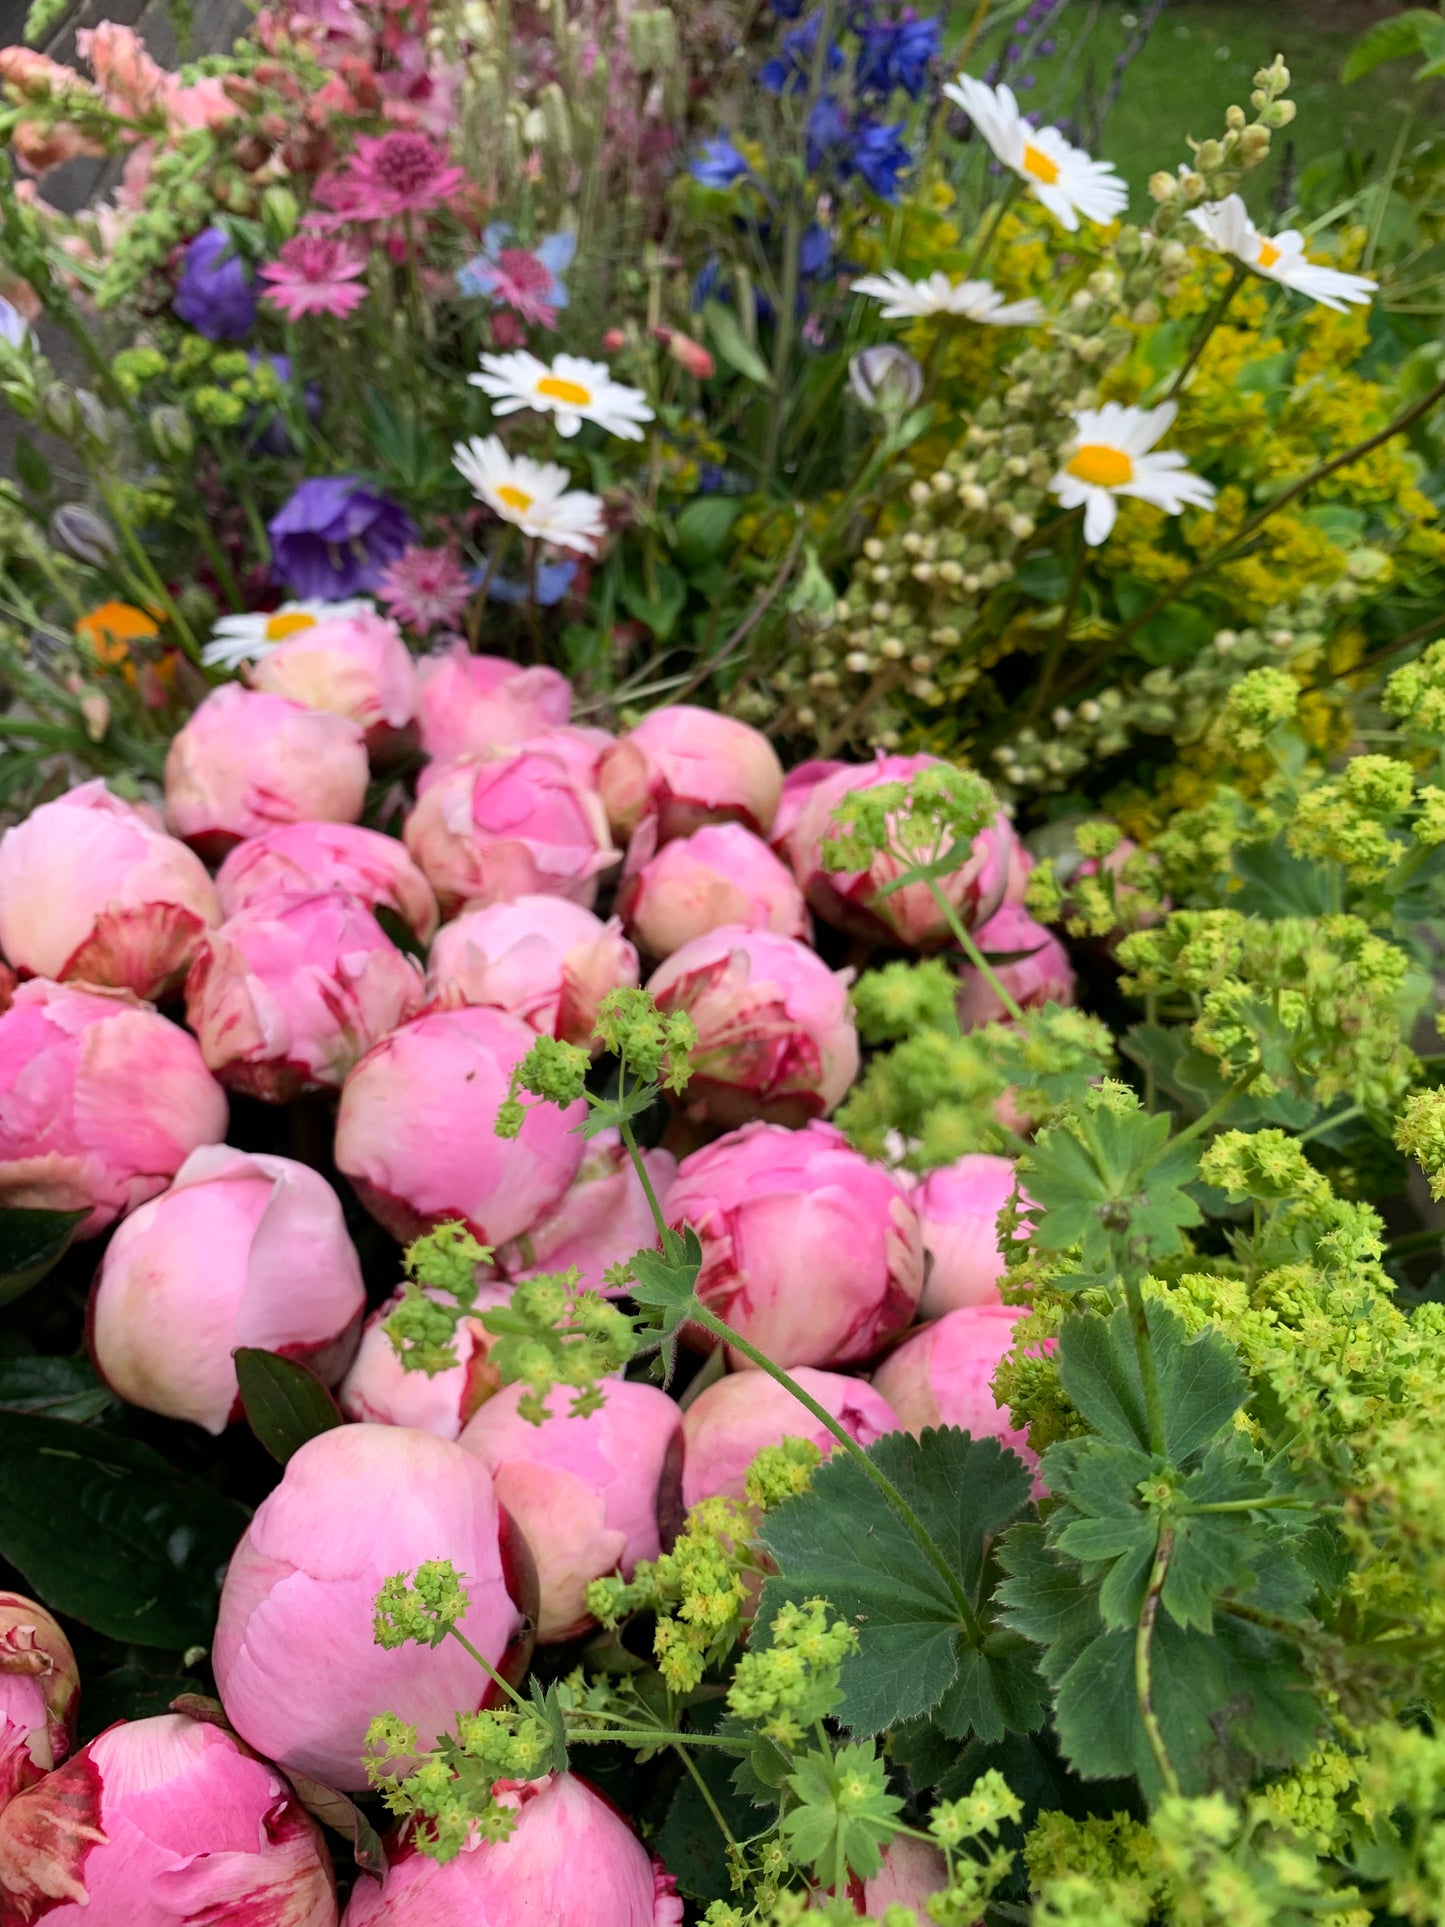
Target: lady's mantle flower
pixel 247 638
pixel 335 536
pixel 969 300
pixel 316 274
pixel 527 280
pixel 533 496
pixel 1112 458
pixel 1280 258
pixel 896 54
pixel 426 588
pixel 720 164
pixel 1063 178
pixel 389 175
pixel 572 389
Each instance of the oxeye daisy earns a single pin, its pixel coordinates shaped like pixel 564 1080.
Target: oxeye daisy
pixel 1111 458
pixel 247 638
pixel 1066 180
pixel 572 389
pixel 532 496
pixel 968 300
pixel 1279 257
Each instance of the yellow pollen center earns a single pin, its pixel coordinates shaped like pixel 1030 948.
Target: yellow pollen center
pixel 572 392
pixel 1268 254
pixel 1102 466
pixel 515 498
pixel 1037 163
pixel 279 627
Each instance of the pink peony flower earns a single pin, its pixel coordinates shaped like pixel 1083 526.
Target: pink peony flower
pixel 416 1129
pixel 958 1207
pixel 518 825
pixel 164 1822
pixel 1043 975
pixel 912 1870
pixel 547 961
pixel 297 1666
pixel 472 705
pixel 571 1860
pixel 726 1427
pixel 687 767
pixel 247 761
pixel 378 1391
pixel 1007 858
pixel 315 274
pixel 810 1251
pixel 775 1034
pixel 426 588
pixel 355 666
pixel 389 175
pixel 798 786
pixel 589 1495
pixel 942 1375
pixel 39 1694
pixel 101 1102
pixel 849 899
pixel 603 1218
pixel 285 997
pixel 88 889
pixel 241 1250
pixel 302 859
pixel 721 874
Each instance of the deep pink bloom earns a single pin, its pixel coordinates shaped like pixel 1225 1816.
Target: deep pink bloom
pixel 958 1207
pixel 603 1218
pixel 472 705
pixel 1041 975
pixel 426 589
pixel 727 1426
pixel 39 1694
pixel 547 961
pixel 942 1375
pixel 809 1250
pixel 316 274
pixel 378 1390
pixel 798 785
pixel 389 175
pixel 687 766
pixel 302 859
pixel 721 874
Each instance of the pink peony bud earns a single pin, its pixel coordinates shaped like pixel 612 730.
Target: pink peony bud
pixel 90 890
pixel 297 1665
pixel 378 1391
pixel 518 825
pixel 543 959
pixel 241 1250
pixel 942 1373
pixel 775 1034
pixel 571 1860
pixel 809 1250
pixel 471 705
pixel 355 666
pixel 300 859
pixel 416 1129
pixel 101 1102
pixel 589 1495
pixel 286 996
pixel 602 1220
pixel 39 1694
pixel 726 1426
pixel 1042 976
pixel 687 767
pixel 912 1870
pixel 164 1822
pixel 1007 858
pixel 247 761
pixel 958 1207
pixel 849 899
pixel 798 786
pixel 721 874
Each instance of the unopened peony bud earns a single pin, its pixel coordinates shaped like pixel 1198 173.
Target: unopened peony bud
pixel 543 959
pixel 378 1390
pixel 302 859
pixel 472 705
pixel 601 1220
pixel 687 767
pixel 39 1694
pixel 721 874
pixel 1037 970
pixel 727 1426
pixel 958 1207
pixel 355 666
pixel 942 1375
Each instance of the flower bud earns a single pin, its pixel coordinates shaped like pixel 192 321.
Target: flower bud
pixel 302 859
pixel 96 420
pixel 378 1389
pixel 81 534
pixel 543 959
pixel 171 432
pixel 721 874
pixel 886 380
pixel 688 766
pixel 60 411
pixel 727 1425
pixel 39 1694
pixel 942 1375
pixel 601 1220
pixel 280 214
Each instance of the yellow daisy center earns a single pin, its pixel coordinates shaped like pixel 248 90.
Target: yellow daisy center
pixel 514 497
pixel 1102 466
pixel 1037 163
pixel 288 623
pixel 1268 254
pixel 570 392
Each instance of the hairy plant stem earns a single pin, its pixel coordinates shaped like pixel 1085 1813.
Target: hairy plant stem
pixel 1143 1676
pixel 702 1786
pixel 1210 323
pixel 1148 1370
pixel 971 950
pixel 487 1667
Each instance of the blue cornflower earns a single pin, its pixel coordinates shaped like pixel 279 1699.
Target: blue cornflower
pixel 554 580
pixel 878 157
pixel 790 71
pixel 719 164
pixel 895 54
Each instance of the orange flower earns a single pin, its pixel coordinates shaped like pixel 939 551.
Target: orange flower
pixel 111 628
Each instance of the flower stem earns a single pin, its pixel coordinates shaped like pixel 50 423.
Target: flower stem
pixel 487 1667
pixel 991 227
pixel 975 956
pixel 1201 339
pixel 1148 1371
pixel 702 1786
pixel 1221 1105
pixel 1143 1679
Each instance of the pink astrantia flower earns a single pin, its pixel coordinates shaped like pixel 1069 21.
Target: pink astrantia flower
pixel 316 274
pixel 389 175
pixel 426 588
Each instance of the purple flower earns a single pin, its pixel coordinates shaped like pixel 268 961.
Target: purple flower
pixel 790 71
pixel 827 132
pixel 719 164
pixel 335 537
pixel 895 54
pixel 215 294
pixel 878 157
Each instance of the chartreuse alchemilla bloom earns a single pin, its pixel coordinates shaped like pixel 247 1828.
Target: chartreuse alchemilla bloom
pixel 1112 457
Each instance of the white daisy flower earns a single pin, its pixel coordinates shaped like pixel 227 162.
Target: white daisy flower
pixel 533 496
pixel 1064 178
pixel 572 389
pixel 1111 458
pixel 1280 257
pixel 246 638
pixel 969 300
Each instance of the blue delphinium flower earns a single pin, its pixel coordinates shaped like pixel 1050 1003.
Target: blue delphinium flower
pixel 827 133
pixel 790 71
pixel 719 164
pixel 878 156
pixel 894 54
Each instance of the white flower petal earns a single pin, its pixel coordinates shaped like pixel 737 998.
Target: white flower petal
pixel 1099 515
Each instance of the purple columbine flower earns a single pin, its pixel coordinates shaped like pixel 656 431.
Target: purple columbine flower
pixel 335 537
pixel 719 164
pixel 215 295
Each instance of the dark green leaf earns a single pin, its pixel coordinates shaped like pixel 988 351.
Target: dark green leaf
pixel 1176 635
pixel 1201 1381
pixel 1276 884
pixel 689 1841
pixel 733 345
pixel 31 466
pixel 658 604
pixel 104 1530
pixel 703 529
pixel 666 1279
pixel 286 1403
pixel 59 1387
pixel 1393 39
pixel 30 1243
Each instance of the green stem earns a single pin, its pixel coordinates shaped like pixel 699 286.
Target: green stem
pixel 1221 1105
pixel 708 1801
pixel 1328 1123
pixel 654 1736
pixel 641 1169
pixel 971 950
pixel 1059 641
pixel 487 1667
pixel 1143 1679
pixel 1148 1370
pixel 146 569
pixel 1415 1242
pixel 992 226
pixel 1211 322
pixel 1279 1504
